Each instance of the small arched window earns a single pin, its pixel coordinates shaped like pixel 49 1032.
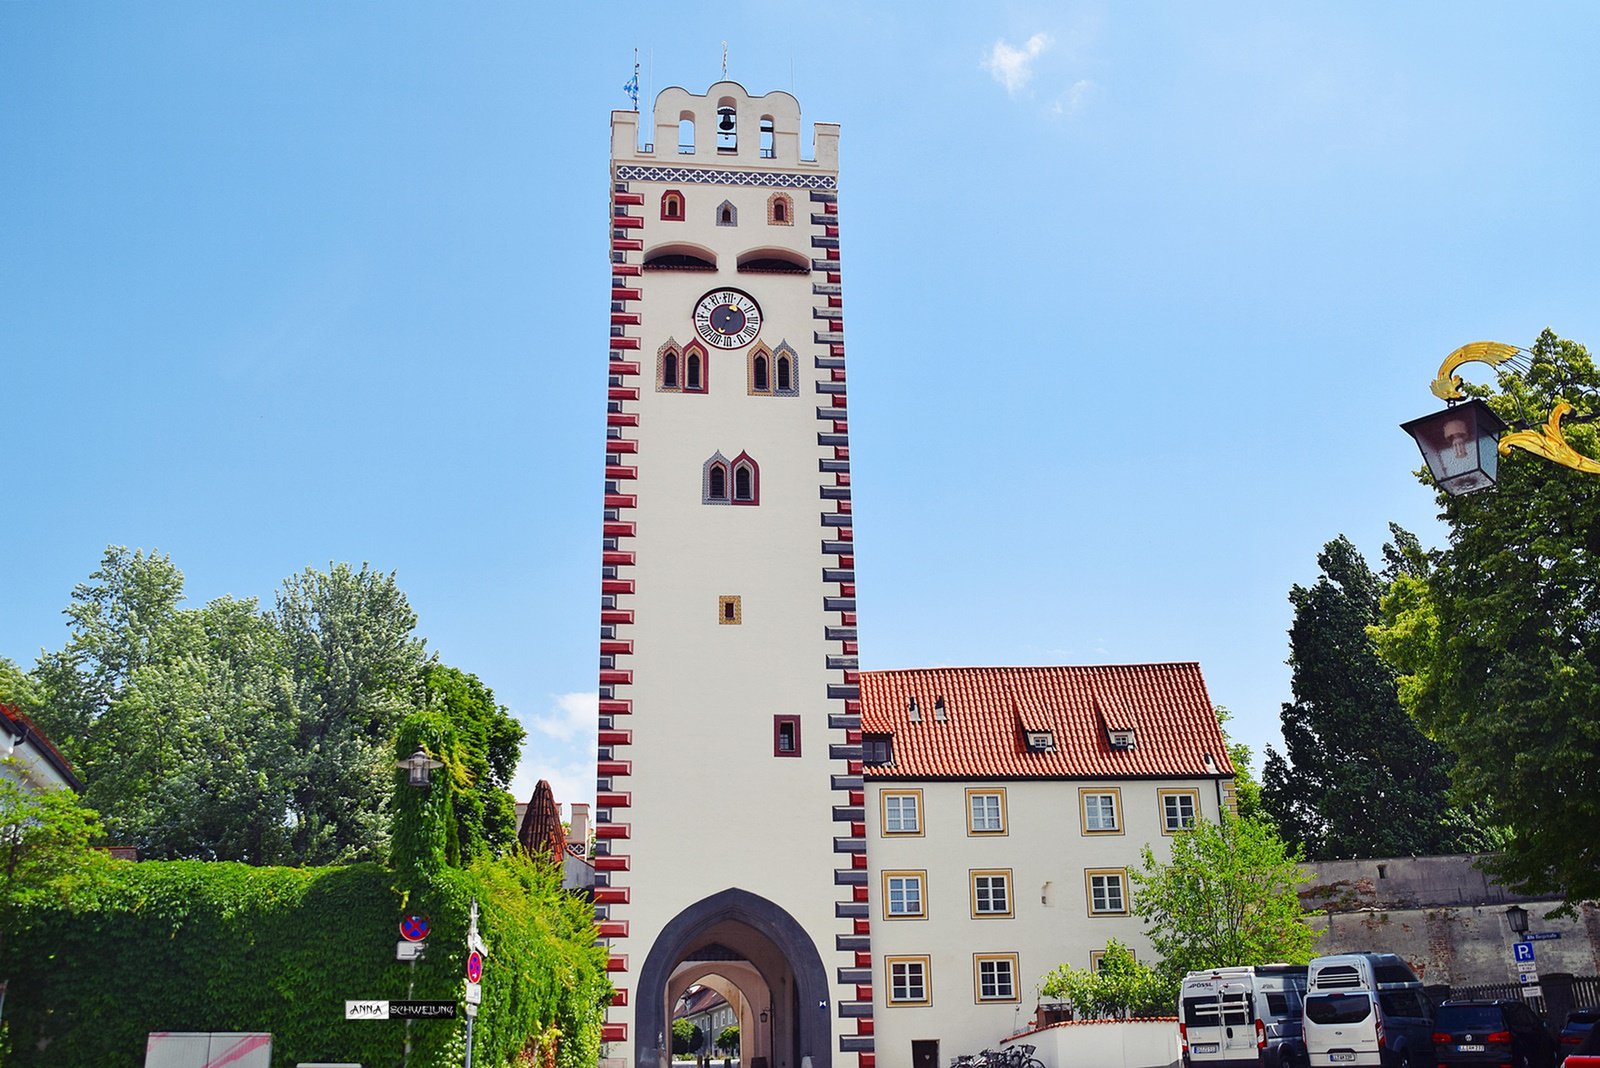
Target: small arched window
pixel 694 372
pixel 785 375
pixel 686 134
pixel 669 367
pixel 780 209
pixel 758 374
pixel 727 214
pixel 746 480
pixel 714 480
pixel 768 149
pixel 672 205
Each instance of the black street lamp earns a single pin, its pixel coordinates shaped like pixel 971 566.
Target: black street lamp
pixel 1517 917
pixel 418 766
pixel 1461 446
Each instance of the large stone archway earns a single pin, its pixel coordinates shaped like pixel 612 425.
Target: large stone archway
pixel 744 925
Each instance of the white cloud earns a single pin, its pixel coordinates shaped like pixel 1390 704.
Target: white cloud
pixel 1072 101
pixel 572 715
pixel 561 749
pixel 1013 67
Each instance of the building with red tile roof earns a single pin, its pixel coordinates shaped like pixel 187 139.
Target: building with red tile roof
pixel 1002 808
pixel 29 758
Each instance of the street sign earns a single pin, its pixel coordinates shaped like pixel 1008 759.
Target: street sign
pixel 1529 977
pixel 414 928
pixel 472 1010
pixel 1542 936
pixel 366 1010
pixel 1532 991
pixel 410 950
pixel 474 995
pixel 1525 966
pixel 1522 951
pixel 474 967
pixel 422 1010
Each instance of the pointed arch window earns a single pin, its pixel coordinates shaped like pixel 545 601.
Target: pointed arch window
pixel 669 368
pixel 672 205
pixel 727 214
pixel 746 480
pixel 785 371
pixel 736 481
pixel 696 369
pixel 760 384
pixel 785 375
pixel 714 480
pixel 780 209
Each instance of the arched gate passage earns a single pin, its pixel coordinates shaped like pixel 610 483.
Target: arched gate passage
pixel 774 944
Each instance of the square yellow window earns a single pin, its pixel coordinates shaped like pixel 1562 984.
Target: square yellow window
pixel 904 897
pixel 1179 809
pixel 986 812
pixel 1108 891
pixel 901 811
pixel 995 977
pixel 991 893
pixel 1100 809
pixel 907 980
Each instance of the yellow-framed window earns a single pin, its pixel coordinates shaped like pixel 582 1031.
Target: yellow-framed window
pixel 1179 809
pixel 986 810
pixel 905 895
pixel 1100 809
pixel 907 981
pixel 1108 891
pixel 994 977
pixel 901 812
pixel 991 893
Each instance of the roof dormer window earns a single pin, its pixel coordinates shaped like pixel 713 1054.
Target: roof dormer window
pixel 1121 739
pixel 1040 741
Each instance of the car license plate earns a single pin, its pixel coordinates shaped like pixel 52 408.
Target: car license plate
pixel 1469 1049
pixel 1342 1055
pixel 1205 1047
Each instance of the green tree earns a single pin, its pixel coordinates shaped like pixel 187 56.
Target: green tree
pixel 1227 897
pixel 488 744
pixel 1357 778
pixel 18 689
pixel 1120 987
pixel 728 1040
pixel 1246 791
pixel 1497 637
pixel 44 846
pixel 116 618
pixel 357 669
pixel 686 1038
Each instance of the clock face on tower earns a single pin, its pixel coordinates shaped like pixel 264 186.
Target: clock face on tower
pixel 727 319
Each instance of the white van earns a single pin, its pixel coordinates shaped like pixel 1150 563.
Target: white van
pixel 1367 1009
pixel 1245 1017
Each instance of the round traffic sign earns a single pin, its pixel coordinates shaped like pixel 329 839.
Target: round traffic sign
pixel 414 928
pixel 474 967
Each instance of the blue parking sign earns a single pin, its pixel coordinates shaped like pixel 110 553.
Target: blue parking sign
pixel 1522 952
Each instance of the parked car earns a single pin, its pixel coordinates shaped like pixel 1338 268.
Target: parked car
pixel 1587 1055
pixel 1579 1023
pixel 1244 1017
pixel 1367 1009
pixel 1492 1032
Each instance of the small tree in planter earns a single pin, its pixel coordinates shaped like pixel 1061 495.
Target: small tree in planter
pixel 1121 987
pixel 728 1043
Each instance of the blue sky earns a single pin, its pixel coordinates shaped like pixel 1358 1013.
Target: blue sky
pixel 1137 295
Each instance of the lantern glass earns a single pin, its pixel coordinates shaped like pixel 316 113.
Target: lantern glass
pixel 1460 446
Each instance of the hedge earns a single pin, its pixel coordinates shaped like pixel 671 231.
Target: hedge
pixel 196 946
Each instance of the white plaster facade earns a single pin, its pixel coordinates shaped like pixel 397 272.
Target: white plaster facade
pixel 691 683
pixel 1047 855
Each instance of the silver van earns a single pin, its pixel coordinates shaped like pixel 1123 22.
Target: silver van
pixel 1246 1017
pixel 1367 1009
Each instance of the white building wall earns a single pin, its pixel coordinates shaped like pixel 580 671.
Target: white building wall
pixel 688 702
pixel 1048 854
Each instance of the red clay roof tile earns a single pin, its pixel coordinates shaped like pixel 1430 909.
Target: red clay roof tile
pixel 1166 705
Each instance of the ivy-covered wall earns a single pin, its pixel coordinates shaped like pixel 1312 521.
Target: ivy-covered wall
pixel 195 946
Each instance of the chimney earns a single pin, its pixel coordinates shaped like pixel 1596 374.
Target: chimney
pixel 579 822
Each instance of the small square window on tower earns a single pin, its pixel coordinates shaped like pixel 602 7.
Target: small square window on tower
pixel 786 736
pixel 728 611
